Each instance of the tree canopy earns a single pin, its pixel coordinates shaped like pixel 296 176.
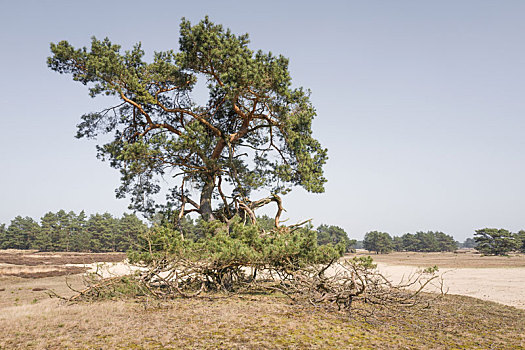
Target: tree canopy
pixel 469 243
pixel 520 240
pixel 495 241
pixel 425 242
pixel 253 133
pixel 380 242
pixel 334 235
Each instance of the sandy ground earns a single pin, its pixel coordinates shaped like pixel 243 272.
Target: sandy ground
pixel 110 269
pixel 502 285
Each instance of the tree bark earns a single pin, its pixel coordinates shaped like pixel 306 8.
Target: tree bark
pixel 206 196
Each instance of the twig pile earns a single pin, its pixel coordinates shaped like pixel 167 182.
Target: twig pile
pixel 336 285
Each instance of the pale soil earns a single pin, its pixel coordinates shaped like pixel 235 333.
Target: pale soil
pixel 493 278
pixel 502 285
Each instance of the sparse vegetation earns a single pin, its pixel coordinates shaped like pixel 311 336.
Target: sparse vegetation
pixel 460 259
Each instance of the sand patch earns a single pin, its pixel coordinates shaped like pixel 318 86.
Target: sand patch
pixel 502 285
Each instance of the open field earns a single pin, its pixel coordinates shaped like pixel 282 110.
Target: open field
pixel 29 319
pixel 462 259
pixel 493 278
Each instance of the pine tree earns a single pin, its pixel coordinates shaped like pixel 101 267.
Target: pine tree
pixel 63 233
pixel 79 234
pixel 410 242
pixel 397 244
pixel 494 241
pixel 3 238
pixel 100 230
pixel 334 235
pixel 46 239
pixel 520 240
pixel 446 243
pixel 254 133
pixel 380 242
pixel 21 233
pixel 129 227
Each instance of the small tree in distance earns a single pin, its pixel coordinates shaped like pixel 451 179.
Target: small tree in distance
pixel 469 243
pixel 492 241
pixel 520 241
pixel 379 242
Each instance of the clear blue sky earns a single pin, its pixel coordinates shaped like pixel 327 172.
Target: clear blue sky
pixel 420 104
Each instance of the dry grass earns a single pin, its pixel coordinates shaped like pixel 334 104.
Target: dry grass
pixel 462 259
pixel 18 291
pixel 256 322
pixel 29 319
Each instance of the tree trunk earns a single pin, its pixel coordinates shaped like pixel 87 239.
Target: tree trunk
pixel 205 201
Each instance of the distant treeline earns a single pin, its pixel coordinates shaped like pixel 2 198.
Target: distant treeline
pixel 67 231
pixel 487 241
pixel 382 242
